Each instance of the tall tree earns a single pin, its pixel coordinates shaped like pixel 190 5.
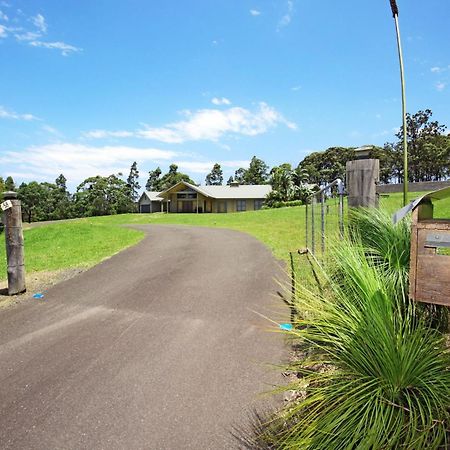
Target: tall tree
pixel 154 180
pixel 61 199
pixel 257 173
pixel 215 177
pixel 422 134
pixel 2 188
pixel 9 184
pixel 173 177
pixel 34 199
pixel 133 182
pixel 324 167
pixel 230 180
pixel 239 175
pixel 97 196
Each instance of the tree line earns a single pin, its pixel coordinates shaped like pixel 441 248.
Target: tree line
pixel 429 160
pixel 428 155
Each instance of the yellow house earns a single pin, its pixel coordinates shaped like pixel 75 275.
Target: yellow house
pixel 187 198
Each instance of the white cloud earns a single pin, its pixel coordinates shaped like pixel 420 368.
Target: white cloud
pixel 207 124
pixel 66 49
pixel 436 69
pixel 34 37
pixel 206 166
pixel 296 88
pixel 39 22
pixel 27 36
pixel 78 162
pixel 51 130
pixel 3 16
pixel 440 85
pixel 211 124
pixel 287 17
pixel 255 12
pixel 6 114
pixel 220 101
pixel 101 134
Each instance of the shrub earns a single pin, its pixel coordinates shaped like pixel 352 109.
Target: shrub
pixel 377 375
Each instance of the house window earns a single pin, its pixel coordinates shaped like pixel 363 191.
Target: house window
pixel 258 204
pixel 241 205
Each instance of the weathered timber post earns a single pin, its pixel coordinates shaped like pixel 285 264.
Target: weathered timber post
pixel 363 175
pixel 14 243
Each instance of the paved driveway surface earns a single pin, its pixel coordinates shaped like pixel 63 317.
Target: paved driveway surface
pixel 155 348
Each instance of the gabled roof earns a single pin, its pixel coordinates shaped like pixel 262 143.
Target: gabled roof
pixel 244 191
pixel 152 196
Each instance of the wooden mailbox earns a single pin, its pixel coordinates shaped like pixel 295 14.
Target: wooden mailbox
pixel 430 252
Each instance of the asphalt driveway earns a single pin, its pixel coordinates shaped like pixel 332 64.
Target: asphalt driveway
pixel 158 347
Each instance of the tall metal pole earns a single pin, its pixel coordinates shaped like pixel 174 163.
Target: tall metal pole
pixel 394 9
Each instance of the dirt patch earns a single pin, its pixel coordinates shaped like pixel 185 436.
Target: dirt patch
pixel 36 282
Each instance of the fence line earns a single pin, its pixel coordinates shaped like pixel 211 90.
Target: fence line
pixel 323 197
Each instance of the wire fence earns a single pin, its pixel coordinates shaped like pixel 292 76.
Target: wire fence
pixel 324 217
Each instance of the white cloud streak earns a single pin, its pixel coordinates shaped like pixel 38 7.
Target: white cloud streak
pixel 255 12
pixel 101 134
pixel 66 49
pixel 207 125
pixel 77 161
pixel 39 22
pixel 36 36
pixel 440 86
pixel 7 114
pixel 205 167
pixel 3 16
pixel 287 17
pixel 220 101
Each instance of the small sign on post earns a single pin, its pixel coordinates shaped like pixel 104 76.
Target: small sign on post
pixel 12 218
pixel 6 205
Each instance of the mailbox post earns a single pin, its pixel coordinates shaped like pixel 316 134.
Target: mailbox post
pixel 430 252
pixel 12 218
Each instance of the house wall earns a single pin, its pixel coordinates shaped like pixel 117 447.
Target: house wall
pixel 231 204
pixel 145 205
pixel 175 203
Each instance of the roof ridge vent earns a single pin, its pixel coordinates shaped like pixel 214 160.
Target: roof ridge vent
pixel 234 184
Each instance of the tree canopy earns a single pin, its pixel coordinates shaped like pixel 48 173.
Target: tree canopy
pixel 215 177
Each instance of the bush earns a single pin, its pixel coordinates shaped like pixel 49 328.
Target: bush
pixel 376 375
pixel 280 204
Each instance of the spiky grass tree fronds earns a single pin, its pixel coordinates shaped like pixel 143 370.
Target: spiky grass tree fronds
pixel 384 381
pixel 387 245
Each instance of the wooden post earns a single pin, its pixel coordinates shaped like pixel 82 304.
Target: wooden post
pixel 14 245
pixel 362 178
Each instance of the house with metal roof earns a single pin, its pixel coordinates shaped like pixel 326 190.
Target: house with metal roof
pixel 187 198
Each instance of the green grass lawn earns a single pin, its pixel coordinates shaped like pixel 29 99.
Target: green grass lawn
pixel 67 245
pixel 85 242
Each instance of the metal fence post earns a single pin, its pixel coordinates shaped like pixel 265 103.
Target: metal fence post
pixel 313 247
pixel 306 225
pixel 341 189
pixel 322 219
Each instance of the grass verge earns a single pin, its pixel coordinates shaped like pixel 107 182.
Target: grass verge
pixel 68 245
pixel 85 242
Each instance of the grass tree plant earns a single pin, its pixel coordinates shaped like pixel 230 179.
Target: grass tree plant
pixel 376 375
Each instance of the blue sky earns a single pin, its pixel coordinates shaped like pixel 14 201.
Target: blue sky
pixel 87 87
